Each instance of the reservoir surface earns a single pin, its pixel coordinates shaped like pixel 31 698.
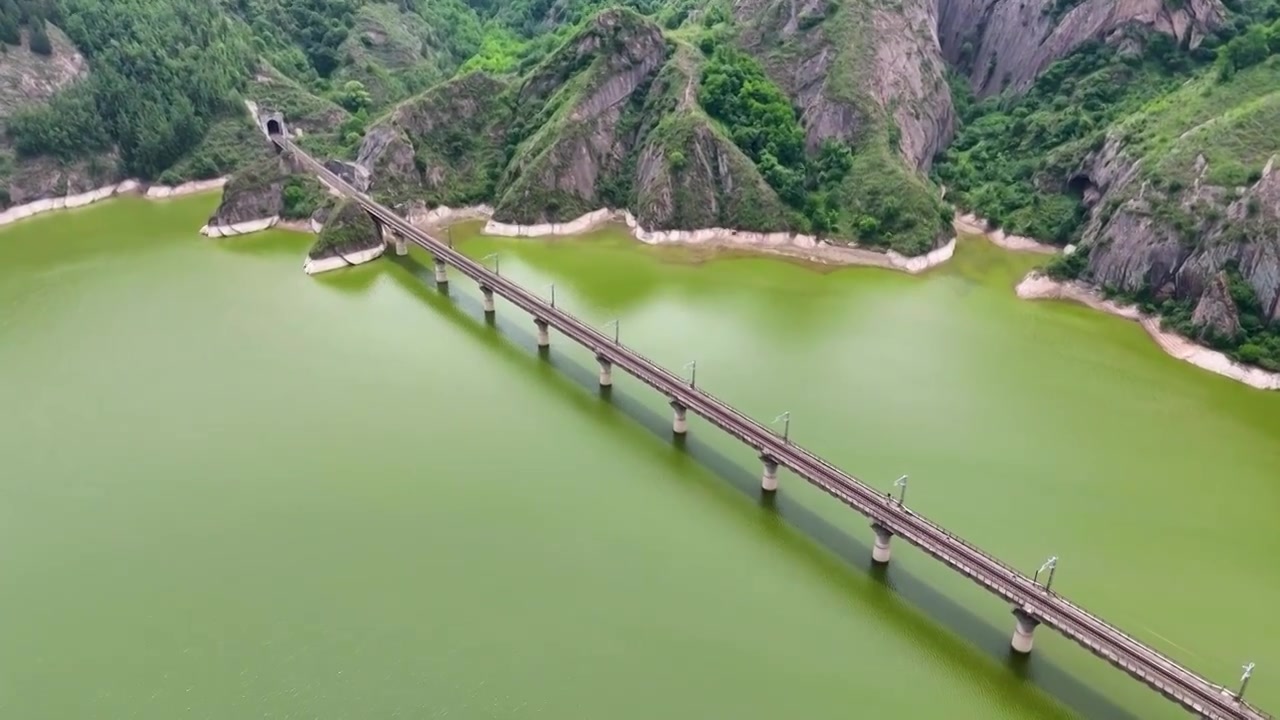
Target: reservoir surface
pixel 229 490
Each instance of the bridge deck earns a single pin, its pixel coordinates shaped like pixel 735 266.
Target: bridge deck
pixel 1185 687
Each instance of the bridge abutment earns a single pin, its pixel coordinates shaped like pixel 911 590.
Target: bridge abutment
pixel 606 371
pixel 1023 631
pixel 679 419
pixel 880 549
pixel 487 300
pixel 544 334
pixel 769 474
pixel 442 275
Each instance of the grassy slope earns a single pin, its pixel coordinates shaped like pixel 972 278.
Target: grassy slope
pixel 1235 125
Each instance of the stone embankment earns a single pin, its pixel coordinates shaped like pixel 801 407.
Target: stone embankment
pixel 127 187
pixel 807 247
pixel 1037 286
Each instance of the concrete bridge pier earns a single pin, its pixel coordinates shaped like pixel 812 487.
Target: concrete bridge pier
pixel 880 550
pixel 401 245
pixel 769 474
pixel 442 276
pixel 487 301
pixel 544 335
pixel 606 371
pixel 679 421
pixel 1023 631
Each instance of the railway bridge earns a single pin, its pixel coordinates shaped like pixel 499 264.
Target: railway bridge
pixel 1032 603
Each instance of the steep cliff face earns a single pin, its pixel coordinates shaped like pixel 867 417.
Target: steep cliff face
pixel 1007 44
pixel 252 194
pixel 855 69
pixel 578 119
pixel 609 119
pixel 443 147
pixel 1187 189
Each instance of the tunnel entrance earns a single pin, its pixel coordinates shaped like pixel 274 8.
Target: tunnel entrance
pixel 273 127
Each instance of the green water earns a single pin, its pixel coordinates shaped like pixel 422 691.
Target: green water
pixel 228 490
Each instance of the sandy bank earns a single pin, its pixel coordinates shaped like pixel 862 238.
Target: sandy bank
pixel 805 247
pixel 128 187
pixel 1041 287
pixel 971 224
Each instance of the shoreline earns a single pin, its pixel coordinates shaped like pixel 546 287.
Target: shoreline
pixel 315 266
pixel 1036 286
pixel 971 224
pixel 125 187
pixel 793 245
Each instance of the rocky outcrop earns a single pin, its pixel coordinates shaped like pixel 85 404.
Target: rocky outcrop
pixel 578 99
pixel 1216 314
pixel 27 78
pixel 853 68
pixel 1147 240
pixel 1003 44
pixel 251 196
pixel 443 147
pixel 349 237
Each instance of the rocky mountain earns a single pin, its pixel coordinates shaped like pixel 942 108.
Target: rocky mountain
pixel 1006 44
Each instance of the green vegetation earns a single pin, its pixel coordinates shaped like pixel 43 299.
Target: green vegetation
pixel 1230 123
pixel 1257 343
pixel 881 204
pixel 760 119
pixel 192 57
pixel 347 230
pixel 34 14
pixel 1012 158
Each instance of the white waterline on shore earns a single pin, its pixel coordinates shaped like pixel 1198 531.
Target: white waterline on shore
pixel 314 266
pixel 1037 286
pixel 971 224
pixel 806 247
pixel 127 187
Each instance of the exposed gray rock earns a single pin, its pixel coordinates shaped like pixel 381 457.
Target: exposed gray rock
pixel 27 78
pixel 847 65
pixel 1008 43
pixel 354 173
pixel 252 194
pixel 558 175
pixel 1216 315
pixel 1133 250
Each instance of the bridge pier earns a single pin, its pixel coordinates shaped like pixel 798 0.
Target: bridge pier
pixel 544 336
pixel 442 277
pixel 1023 630
pixel 487 301
pixel 880 550
pixel 606 371
pixel 769 475
pixel 679 421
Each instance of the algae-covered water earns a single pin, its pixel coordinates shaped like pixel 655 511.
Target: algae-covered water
pixel 231 490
